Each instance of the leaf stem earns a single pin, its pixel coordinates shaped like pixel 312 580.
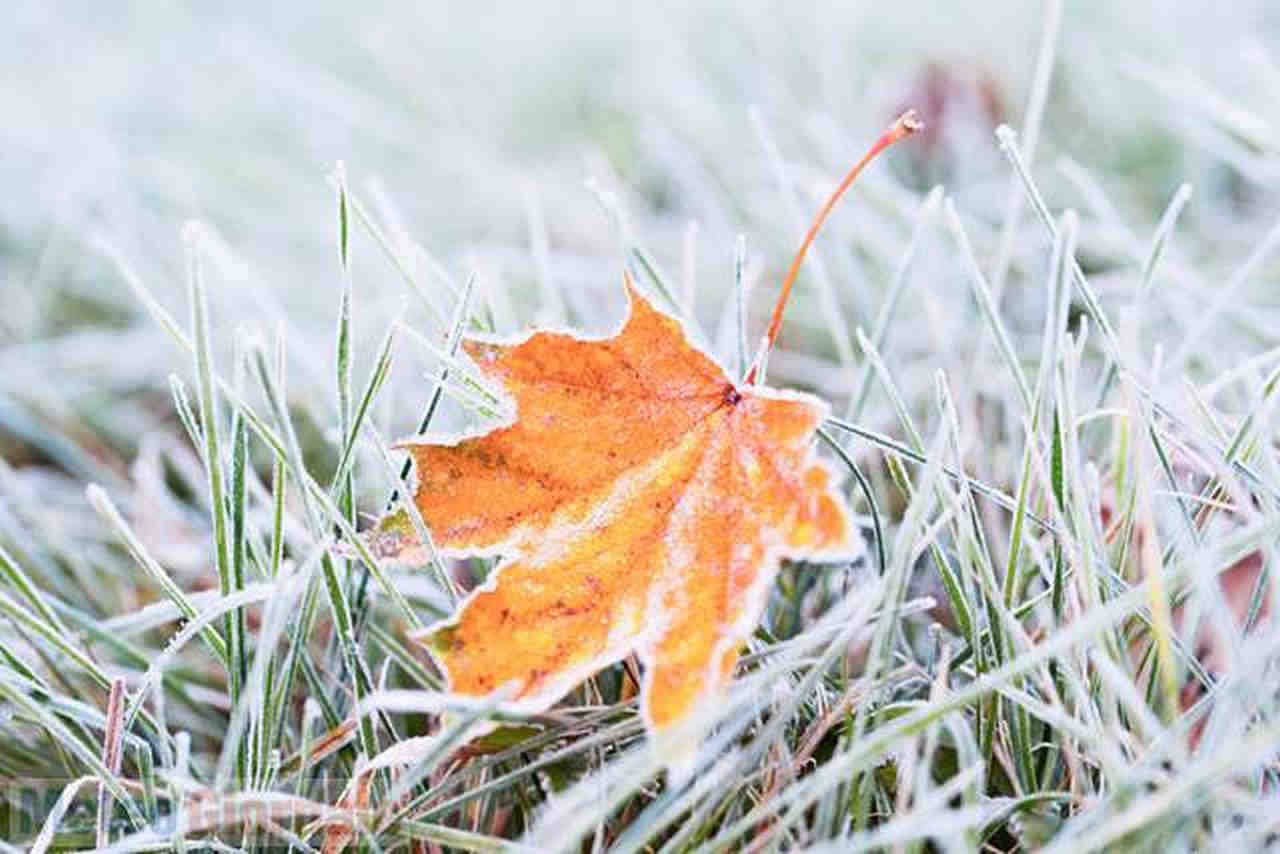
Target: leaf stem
pixel 902 127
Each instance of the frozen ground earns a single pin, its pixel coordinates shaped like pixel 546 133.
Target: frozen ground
pixel 542 148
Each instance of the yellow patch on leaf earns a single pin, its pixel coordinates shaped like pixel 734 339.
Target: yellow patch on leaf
pixel 640 501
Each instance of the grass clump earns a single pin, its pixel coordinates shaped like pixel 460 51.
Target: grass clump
pixel 1057 415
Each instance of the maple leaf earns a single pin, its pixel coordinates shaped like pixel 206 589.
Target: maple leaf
pixel 641 501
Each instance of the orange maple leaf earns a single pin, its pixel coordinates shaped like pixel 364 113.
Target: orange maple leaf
pixel 641 502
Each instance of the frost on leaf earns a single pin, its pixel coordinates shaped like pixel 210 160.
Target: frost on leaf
pixel 640 500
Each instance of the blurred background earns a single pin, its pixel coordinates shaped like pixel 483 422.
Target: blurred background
pixel 537 144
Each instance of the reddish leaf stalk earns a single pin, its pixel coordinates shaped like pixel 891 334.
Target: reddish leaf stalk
pixel 902 127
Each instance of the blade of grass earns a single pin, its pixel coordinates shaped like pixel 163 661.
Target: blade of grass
pixel 207 398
